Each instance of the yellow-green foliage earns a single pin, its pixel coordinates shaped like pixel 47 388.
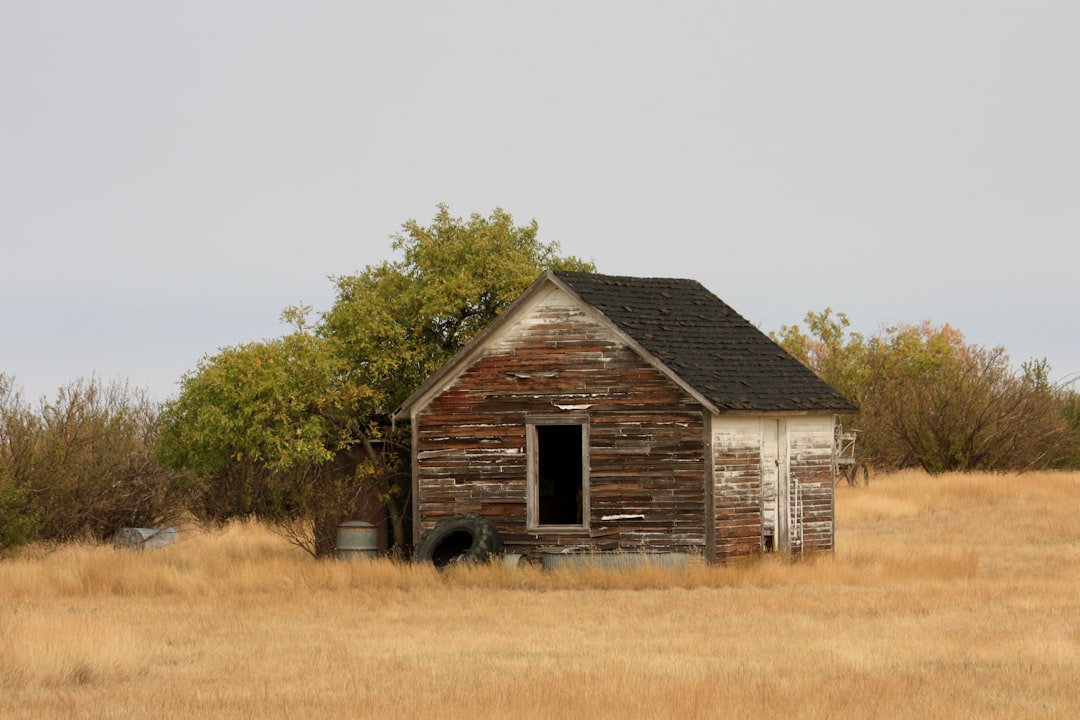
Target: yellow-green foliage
pixel 929 399
pixel 81 465
pixel 316 399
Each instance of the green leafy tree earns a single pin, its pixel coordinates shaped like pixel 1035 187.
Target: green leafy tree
pixel 399 321
pixel 315 405
pixel 18 516
pixel 836 354
pixel 262 418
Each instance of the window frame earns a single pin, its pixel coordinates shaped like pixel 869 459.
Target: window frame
pixel 532 473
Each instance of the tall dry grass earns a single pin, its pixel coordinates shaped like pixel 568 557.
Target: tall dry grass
pixel 948 596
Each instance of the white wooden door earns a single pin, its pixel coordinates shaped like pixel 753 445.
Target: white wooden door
pixel 775 488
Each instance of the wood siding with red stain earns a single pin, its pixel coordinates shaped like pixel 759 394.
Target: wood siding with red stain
pixel 737 474
pixel 664 474
pixel 806 457
pixel 811 450
pixel 646 438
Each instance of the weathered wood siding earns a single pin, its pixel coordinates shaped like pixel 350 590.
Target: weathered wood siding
pixel 737 476
pixel 810 440
pixel 646 437
pixel 805 459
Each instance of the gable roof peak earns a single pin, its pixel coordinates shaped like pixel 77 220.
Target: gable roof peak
pixel 706 343
pixel 688 333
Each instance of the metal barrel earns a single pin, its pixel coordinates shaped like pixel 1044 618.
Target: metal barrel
pixel 357 539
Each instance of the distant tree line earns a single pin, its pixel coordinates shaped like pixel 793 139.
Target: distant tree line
pixel 293 430
pixel 930 400
pixel 83 465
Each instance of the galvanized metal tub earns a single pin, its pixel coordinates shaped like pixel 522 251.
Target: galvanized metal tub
pixel 143 538
pixel 613 560
pixel 357 539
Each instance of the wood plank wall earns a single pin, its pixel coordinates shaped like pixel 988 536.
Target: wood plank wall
pixel 737 455
pixel 647 449
pixel 811 452
pixel 646 438
pixel 739 517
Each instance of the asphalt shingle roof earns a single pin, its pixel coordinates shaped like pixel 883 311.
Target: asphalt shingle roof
pixel 706 343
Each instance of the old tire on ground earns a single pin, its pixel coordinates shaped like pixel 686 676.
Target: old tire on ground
pixel 459 538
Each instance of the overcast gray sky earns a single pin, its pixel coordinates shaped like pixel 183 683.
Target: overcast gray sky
pixel 172 175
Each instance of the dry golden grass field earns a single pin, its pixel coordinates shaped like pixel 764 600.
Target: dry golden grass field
pixel 954 596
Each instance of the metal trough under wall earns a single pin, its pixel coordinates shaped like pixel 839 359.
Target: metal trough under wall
pixel 614 560
pixel 143 538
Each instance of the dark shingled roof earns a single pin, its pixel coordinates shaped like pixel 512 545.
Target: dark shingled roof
pixel 707 344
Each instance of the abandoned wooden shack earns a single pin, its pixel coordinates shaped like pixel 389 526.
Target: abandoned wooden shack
pixel 635 414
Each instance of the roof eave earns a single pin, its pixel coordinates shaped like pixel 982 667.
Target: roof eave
pixel 649 357
pixel 473 347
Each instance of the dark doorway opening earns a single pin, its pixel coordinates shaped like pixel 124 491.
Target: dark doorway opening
pixel 560 474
